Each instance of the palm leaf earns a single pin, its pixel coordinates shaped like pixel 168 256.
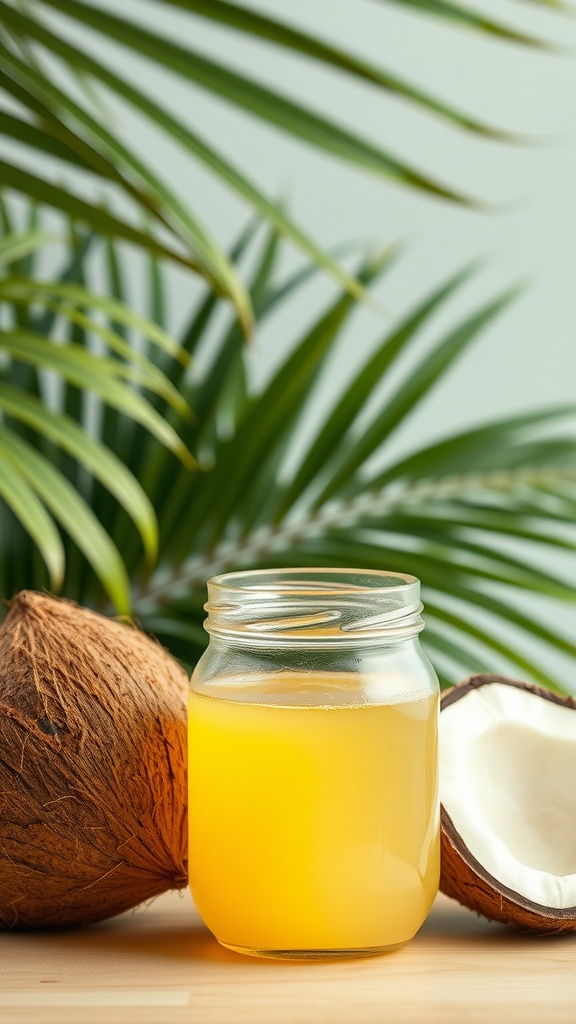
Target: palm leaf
pixel 56 493
pixel 249 95
pixel 450 512
pixel 154 195
pixel 97 217
pixel 15 128
pixel 465 16
pixel 226 358
pixel 430 369
pixel 266 421
pixel 504 613
pixel 216 271
pixel 93 373
pixel 280 34
pixel 20 496
pixel 78 131
pixel 75 295
pixel 14 248
pixel 193 143
pixel 32 486
pixel 459 656
pixel 338 424
pixel 527 666
pixel 483 446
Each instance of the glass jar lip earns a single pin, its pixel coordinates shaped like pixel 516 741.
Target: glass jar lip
pixel 313 606
pixel 280 579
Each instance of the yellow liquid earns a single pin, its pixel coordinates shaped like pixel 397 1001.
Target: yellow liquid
pixel 313 829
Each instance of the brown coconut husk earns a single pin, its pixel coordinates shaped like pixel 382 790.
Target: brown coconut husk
pixel 465 879
pixel 92 766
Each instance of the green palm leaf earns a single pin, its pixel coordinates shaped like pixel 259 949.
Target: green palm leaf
pixel 32 486
pixel 36 138
pixel 97 217
pixel 452 511
pixel 153 195
pixel 15 247
pixel 16 289
pixel 192 142
pixel 277 32
pixel 267 419
pixel 338 424
pixel 447 513
pixel 88 452
pixel 463 15
pixel 458 654
pixel 32 349
pixel 97 374
pixel 409 394
pixel 453 455
pixel 491 643
pixel 20 496
pixel 79 133
pixel 249 95
pixel 214 266
pixel 56 493
pixel 502 612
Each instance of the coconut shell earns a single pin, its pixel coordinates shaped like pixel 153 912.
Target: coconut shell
pixel 92 766
pixel 465 879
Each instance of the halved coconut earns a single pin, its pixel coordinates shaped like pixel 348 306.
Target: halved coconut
pixel 508 794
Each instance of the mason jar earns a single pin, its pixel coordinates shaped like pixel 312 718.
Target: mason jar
pixel 313 792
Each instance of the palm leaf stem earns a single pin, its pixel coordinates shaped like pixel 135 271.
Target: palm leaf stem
pixel 167 584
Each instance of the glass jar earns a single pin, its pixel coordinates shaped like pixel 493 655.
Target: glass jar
pixel 313 794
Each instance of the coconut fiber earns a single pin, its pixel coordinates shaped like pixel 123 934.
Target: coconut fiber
pixel 92 766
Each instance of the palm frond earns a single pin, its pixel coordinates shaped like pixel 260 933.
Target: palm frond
pixel 287 37
pixel 53 119
pixel 465 16
pixel 265 424
pixel 14 248
pixel 21 497
pixel 35 489
pixel 56 493
pixel 475 515
pixel 246 93
pixel 472 514
pixel 68 297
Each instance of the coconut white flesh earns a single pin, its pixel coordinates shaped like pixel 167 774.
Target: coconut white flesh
pixel 508 782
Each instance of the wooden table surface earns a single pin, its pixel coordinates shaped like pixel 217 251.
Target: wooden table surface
pixel 159 965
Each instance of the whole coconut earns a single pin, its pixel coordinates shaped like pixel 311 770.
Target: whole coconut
pixel 92 766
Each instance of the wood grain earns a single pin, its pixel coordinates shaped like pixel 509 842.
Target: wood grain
pixel 159 964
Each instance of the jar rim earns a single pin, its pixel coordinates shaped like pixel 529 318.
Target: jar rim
pixel 313 605
pixel 234 581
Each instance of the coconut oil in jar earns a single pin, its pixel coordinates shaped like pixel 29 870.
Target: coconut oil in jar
pixel 313 796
